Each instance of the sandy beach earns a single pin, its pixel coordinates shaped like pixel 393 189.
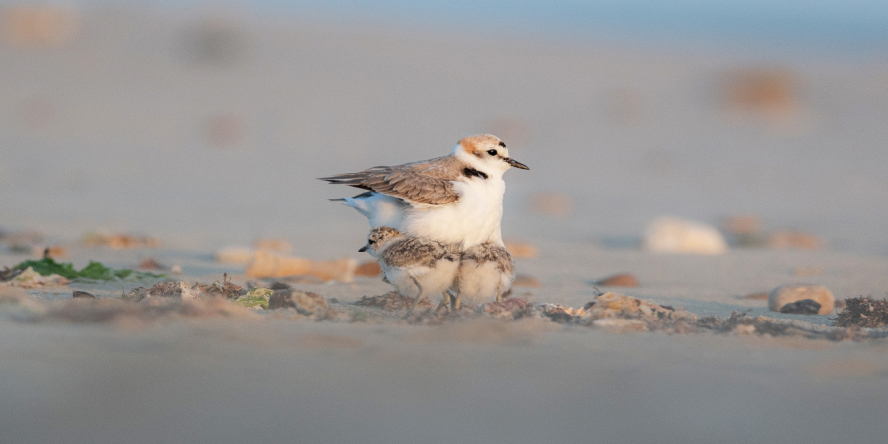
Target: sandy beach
pixel 206 131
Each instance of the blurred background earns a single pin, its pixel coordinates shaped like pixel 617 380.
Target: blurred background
pixel 205 124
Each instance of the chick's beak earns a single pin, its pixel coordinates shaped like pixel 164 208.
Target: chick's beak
pixel 516 164
pixel 363 249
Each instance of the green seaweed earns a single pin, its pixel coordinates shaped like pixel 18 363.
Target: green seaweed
pixel 95 270
pixel 257 297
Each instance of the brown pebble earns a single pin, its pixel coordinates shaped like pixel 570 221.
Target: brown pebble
pixel 742 224
pixel 794 240
pixel 521 250
pixel 619 280
pixel 369 268
pixel 84 295
pixel 150 264
pixel 757 296
pixel 523 280
pixel 305 302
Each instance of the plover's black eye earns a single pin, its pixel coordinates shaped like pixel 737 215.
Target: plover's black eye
pixel 491 152
pixel 371 241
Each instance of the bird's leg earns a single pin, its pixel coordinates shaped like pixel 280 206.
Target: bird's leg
pixel 455 302
pixel 445 302
pixel 499 295
pixel 418 298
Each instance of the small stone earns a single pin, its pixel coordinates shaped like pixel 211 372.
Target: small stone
pixel 82 294
pixel 279 286
pixel 306 303
pixel 794 240
pixel 265 264
pixel 521 250
pixel 176 269
pixel 618 280
pixel 368 269
pixel 792 293
pixel 757 296
pixel 118 241
pixel 805 307
pixel 523 280
pixel 150 264
pixel 672 235
pixel 742 225
pixel 31 279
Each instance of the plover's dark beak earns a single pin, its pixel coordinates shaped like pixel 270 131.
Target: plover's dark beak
pixel 363 249
pixel 516 164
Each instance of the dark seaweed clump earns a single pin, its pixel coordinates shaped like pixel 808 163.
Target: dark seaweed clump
pixel 863 312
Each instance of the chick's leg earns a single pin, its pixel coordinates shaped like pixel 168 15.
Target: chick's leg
pixel 418 298
pixel 445 302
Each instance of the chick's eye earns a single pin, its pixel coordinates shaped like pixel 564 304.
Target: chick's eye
pixel 371 241
pixel 491 152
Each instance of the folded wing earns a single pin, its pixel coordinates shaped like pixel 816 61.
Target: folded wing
pixel 428 182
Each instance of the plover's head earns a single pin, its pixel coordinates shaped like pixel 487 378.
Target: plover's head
pixel 379 239
pixel 487 154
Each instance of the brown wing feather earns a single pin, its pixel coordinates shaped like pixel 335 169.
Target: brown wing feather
pixel 425 182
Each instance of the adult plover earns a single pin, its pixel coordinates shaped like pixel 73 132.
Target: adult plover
pixel 485 271
pixel 455 199
pixel 417 267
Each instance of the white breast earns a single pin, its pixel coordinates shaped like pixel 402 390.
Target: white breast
pixel 473 219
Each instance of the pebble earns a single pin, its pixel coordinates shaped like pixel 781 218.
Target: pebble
pixel 368 269
pixel 742 224
pixel 796 240
pixel 794 293
pixel 757 296
pixel 805 307
pixel 306 303
pixel 522 250
pixel 618 280
pixel 673 235
pixel 266 264
pixel 83 295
